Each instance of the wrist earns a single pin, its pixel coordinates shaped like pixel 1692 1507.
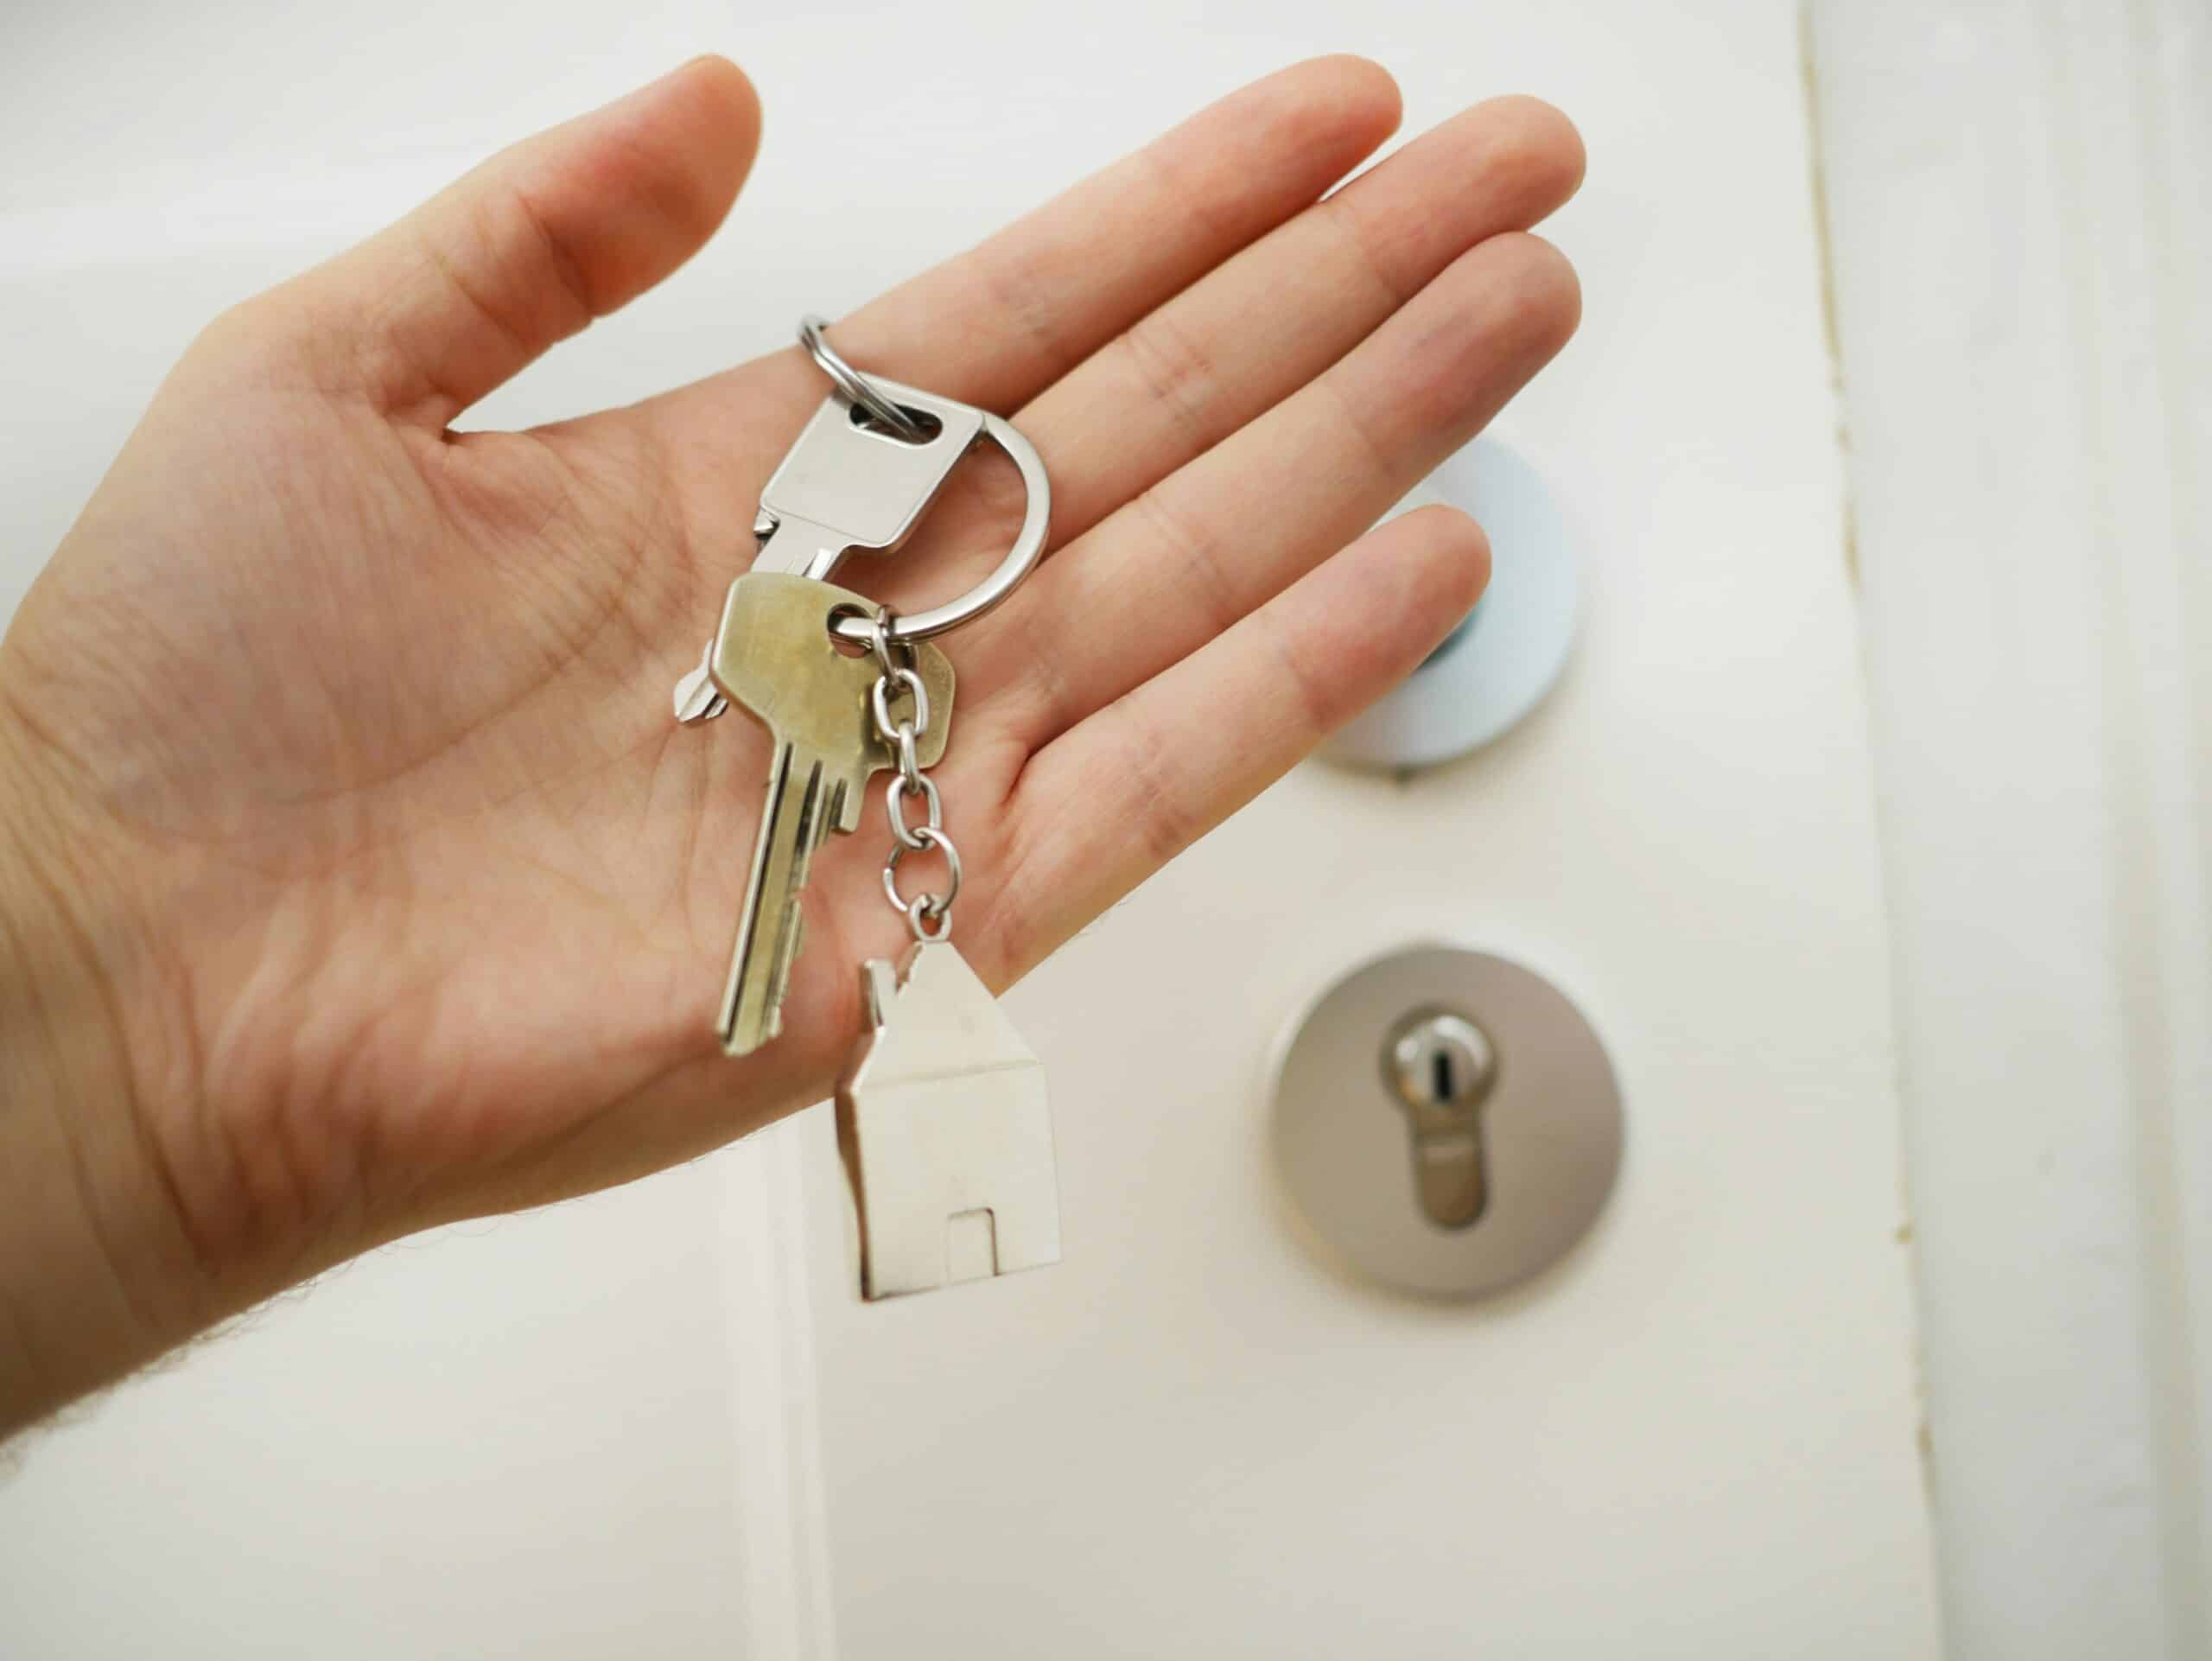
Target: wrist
pixel 98 1274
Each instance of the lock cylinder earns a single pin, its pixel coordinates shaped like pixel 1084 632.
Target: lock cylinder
pixel 1441 1066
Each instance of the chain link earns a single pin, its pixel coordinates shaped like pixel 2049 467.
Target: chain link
pixel 928 914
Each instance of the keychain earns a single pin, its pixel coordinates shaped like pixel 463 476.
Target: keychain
pixel 943 1123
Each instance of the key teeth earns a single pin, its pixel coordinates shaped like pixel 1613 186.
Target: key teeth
pixel 768 940
pixel 794 935
pixel 791 921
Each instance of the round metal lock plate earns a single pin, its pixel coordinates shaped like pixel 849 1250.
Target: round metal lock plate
pixel 1500 663
pixel 1473 1184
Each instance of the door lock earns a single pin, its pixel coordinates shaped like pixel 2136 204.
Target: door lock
pixel 1446 1122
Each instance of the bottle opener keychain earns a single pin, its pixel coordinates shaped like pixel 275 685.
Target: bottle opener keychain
pixel 942 1124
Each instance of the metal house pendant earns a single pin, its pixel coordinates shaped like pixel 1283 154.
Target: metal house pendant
pixel 945 1132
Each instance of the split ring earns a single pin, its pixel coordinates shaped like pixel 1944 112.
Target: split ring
pixel 853 384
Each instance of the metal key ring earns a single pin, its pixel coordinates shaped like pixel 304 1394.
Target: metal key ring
pixel 1020 561
pixel 878 397
pixel 853 384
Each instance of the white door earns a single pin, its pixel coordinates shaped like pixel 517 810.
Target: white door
pixel 657 1422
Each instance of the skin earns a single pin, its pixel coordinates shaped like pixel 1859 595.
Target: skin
pixel 357 878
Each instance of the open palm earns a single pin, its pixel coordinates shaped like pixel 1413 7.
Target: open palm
pixel 429 900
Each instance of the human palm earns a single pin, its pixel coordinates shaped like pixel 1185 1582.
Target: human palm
pixel 429 900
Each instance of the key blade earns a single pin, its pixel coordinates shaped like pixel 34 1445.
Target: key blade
pixel 802 548
pixel 797 813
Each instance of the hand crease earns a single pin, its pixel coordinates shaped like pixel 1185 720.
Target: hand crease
pixel 1167 361
pixel 1198 552
pixel 1337 212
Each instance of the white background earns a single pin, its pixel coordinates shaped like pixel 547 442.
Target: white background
pixel 546 1436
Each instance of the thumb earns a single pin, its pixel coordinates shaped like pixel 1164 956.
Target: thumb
pixel 433 313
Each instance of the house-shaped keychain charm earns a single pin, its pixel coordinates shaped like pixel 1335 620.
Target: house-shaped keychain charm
pixel 945 1132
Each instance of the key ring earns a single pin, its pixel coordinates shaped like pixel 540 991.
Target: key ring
pixel 853 384
pixel 1020 559
pixel 878 395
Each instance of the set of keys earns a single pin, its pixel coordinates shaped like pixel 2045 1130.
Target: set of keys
pixel 943 1123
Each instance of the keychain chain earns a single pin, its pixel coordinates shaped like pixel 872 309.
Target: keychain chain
pixel 928 915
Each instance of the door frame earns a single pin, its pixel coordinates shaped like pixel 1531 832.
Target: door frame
pixel 2015 196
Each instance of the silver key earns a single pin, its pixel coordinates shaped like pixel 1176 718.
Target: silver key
pixel 773 656
pixel 845 487
pixel 945 1132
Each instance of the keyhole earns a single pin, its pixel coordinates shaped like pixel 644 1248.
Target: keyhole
pixel 1441 1066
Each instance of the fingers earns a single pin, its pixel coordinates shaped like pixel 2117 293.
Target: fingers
pixel 1158 768
pixel 437 310
pixel 1052 287
pixel 1255 330
pixel 996 325
pixel 1224 350
pixel 1214 540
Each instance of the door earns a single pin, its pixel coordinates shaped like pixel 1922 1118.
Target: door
pixel 1698 1435
pixel 658 1421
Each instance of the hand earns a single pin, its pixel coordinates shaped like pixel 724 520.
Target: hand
pixel 364 880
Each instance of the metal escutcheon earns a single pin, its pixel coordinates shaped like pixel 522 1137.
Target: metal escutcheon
pixel 1503 660
pixel 1446 1122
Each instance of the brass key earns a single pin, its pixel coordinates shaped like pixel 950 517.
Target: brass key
pixel 774 656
